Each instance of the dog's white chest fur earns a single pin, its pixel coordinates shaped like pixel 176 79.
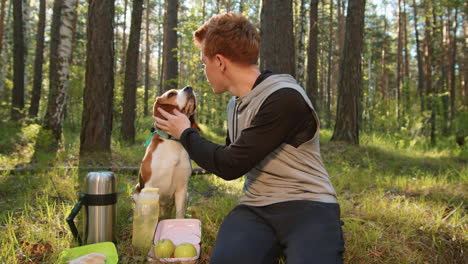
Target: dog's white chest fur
pixel 170 171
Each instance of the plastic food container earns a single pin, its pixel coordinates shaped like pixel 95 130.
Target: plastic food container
pixel 106 248
pixel 178 231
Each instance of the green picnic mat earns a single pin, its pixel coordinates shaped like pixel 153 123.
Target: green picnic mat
pixel 106 248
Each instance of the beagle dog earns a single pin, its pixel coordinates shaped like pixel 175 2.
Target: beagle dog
pixel 166 164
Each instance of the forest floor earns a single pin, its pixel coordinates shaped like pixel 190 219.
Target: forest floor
pixel 401 201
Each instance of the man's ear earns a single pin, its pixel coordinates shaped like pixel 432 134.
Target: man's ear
pixel 221 62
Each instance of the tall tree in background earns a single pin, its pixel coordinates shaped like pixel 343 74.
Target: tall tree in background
pixel 330 66
pixel 341 26
pixel 383 64
pixel 147 58
pixel 124 38
pixel 171 67
pixel 312 58
pixel 2 18
pixel 419 58
pixel 340 37
pixel 96 125
pixel 464 65
pixel 346 126
pixel 160 48
pixel 4 48
pixel 452 62
pixel 60 52
pixel 38 61
pixel 277 52
pixel 428 67
pixel 74 25
pixel 406 78
pixel 301 28
pixel 399 70
pixel 19 51
pixel 131 74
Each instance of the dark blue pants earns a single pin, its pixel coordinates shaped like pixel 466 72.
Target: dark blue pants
pixel 303 231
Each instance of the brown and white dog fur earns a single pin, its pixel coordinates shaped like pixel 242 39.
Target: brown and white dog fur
pixel 166 164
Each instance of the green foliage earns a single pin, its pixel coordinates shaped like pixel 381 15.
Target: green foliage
pixel 45 147
pixel 461 122
pixel 16 143
pixel 74 106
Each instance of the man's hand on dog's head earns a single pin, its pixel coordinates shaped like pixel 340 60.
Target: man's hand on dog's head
pixel 174 124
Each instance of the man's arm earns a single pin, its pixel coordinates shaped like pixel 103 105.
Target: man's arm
pixel 284 117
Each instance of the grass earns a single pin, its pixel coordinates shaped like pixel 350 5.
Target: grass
pixel 401 201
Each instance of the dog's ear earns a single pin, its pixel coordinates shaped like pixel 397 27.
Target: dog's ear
pixel 155 106
pixel 166 107
pixel 193 123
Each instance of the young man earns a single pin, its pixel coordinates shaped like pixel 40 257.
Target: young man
pixel 289 205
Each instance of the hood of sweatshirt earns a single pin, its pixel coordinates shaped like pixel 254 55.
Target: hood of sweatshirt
pixel 286 80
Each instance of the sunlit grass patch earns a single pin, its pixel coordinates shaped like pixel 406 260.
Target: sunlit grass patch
pixel 37 232
pixel 383 228
pixel 400 204
pixel 17 143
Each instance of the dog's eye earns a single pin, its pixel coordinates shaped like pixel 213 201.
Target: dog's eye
pixel 171 94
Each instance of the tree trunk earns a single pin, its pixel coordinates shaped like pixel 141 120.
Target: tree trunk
pixel 38 61
pixel 2 18
pixel 341 26
pixel 428 71
pixel 419 59
pixel 147 60
pixel 453 62
pixel 227 5
pixel 405 41
pixel 160 50
pixel 124 38
pixel 300 43
pixel 171 67
pixel 17 98
pixel 131 74
pixel 347 127
pixel 321 80
pixel 330 65
pixel 406 75
pixel 340 36
pixel 26 26
pixel 60 52
pixel 5 55
pixel 96 125
pixel 312 58
pixel 383 65
pixel 277 37
pixel 464 71
pixel 443 62
pixel 204 10
pixel 399 62
pixel 74 23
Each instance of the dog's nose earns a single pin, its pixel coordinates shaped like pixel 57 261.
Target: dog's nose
pixel 188 89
